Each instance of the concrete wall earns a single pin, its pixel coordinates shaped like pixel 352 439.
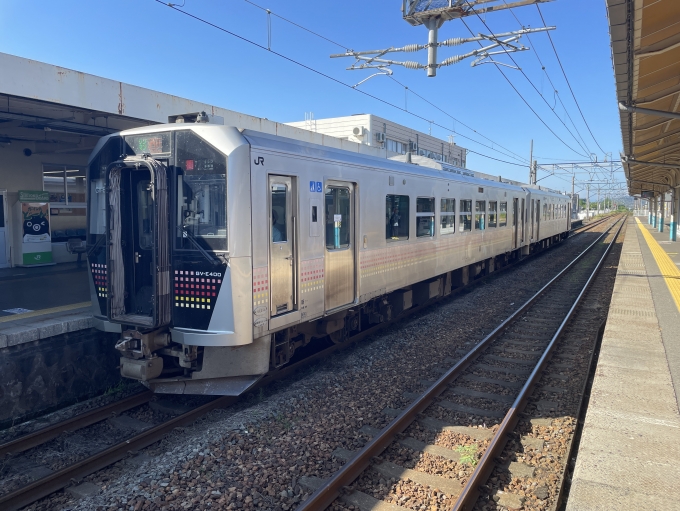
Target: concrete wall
pixel 41 376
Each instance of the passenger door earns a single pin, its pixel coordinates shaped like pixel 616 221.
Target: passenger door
pixel 538 220
pixel 3 230
pixel 282 237
pixel 515 221
pixel 339 227
pixel 531 219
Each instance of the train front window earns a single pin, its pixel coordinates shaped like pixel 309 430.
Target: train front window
pixel 201 193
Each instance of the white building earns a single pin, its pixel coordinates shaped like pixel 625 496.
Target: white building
pixel 395 139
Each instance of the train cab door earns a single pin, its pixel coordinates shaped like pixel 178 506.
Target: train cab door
pixel 282 239
pixel 138 253
pixel 538 220
pixel 515 222
pixel 339 252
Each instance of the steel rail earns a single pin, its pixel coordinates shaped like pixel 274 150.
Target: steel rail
pixel 58 480
pixel 331 488
pixel 486 464
pixel 46 434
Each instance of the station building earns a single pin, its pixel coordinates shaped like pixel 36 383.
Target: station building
pixel 52 117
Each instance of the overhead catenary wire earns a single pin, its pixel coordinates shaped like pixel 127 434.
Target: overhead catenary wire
pixel 268 11
pixel 534 87
pixel 516 156
pixel 543 68
pixel 569 84
pixel 329 77
pixel 507 152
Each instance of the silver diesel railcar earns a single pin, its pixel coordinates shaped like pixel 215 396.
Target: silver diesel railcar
pixel 216 253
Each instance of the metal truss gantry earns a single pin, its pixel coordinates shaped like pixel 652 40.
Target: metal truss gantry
pixel 433 14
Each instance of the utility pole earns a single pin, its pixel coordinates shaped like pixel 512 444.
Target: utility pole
pixel 587 202
pixel 598 200
pixel 572 195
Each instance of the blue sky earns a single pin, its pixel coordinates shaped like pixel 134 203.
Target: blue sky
pixel 148 44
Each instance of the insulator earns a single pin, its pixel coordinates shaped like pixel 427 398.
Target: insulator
pixel 451 60
pixel 455 41
pixel 409 64
pixel 411 47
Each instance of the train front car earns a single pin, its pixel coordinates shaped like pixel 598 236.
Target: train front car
pixel 169 254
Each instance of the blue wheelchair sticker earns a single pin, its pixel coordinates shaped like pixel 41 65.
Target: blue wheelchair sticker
pixel 319 186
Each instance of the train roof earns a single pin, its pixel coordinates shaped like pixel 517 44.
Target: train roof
pixel 306 149
pixel 301 148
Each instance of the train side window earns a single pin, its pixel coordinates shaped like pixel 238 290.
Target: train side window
pixel 396 217
pixel 338 219
pixel 503 215
pixel 424 217
pixel 493 211
pixel 480 215
pixel 466 215
pixel 279 216
pixel 447 216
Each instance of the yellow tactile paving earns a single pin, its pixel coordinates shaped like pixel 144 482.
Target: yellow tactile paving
pixel 669 270
pixel 42 312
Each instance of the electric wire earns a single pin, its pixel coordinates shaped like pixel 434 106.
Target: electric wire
pixel 532 84
pixel 511 153
pixel 543 68
pixel 320 73
pixel 268 11
pixel 569 84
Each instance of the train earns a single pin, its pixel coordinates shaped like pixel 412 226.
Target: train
pixel 216 253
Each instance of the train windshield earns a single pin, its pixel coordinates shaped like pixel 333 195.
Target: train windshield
pixel 201 194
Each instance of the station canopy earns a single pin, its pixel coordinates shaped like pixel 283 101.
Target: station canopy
pixel 645 37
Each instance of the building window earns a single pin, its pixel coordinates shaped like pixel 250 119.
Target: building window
pixel 424 217
pixel 480 214
pixel 396 217
pixel 447 216
pixel 395 147
pixel 466 215
pixel 493 207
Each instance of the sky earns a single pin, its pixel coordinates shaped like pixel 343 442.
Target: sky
pixel 147 43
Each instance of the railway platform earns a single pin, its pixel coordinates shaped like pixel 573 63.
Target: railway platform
pixel 630 444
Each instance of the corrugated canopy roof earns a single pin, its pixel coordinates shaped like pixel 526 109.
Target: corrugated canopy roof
pixel 645 38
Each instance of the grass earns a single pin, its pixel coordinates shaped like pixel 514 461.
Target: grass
pixel 468 453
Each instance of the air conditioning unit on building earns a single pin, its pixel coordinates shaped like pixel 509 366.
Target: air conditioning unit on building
pixel 359 131
pixel 413 146
pixel 380 137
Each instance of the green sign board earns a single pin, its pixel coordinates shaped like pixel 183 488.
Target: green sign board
pixel 37 258
pixel 33 196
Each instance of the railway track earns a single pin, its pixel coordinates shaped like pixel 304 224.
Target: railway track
pixel 504 367
pixel 59 479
